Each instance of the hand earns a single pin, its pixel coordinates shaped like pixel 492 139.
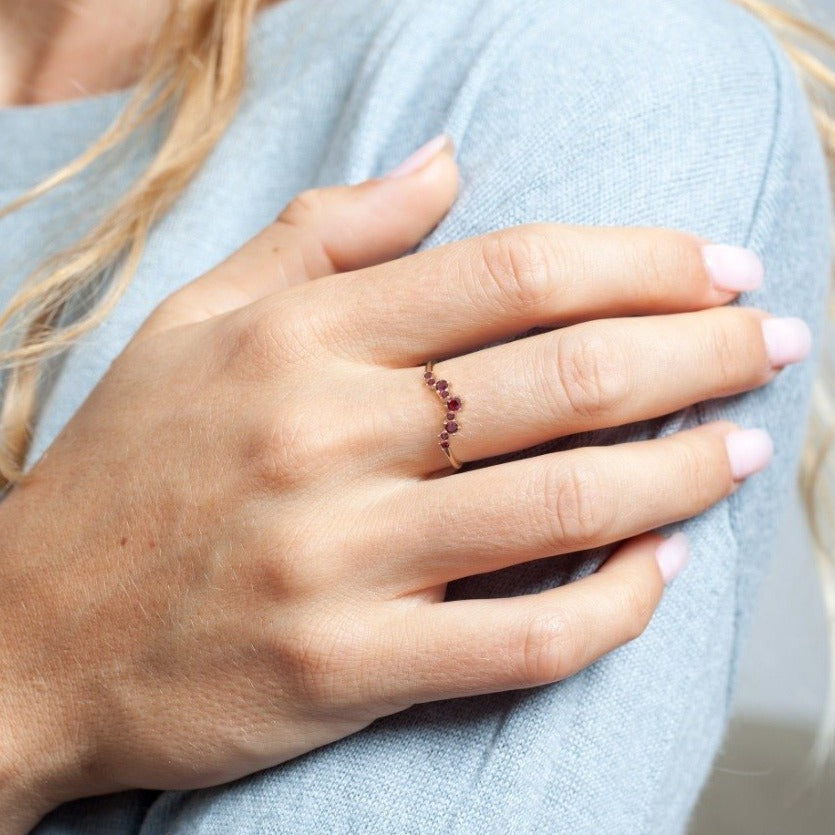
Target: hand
pixel 237 550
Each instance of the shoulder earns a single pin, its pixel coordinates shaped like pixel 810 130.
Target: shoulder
pixel 617 111
pixel 638 112
pixel 655 35
pixel 621 56
pixel 612 58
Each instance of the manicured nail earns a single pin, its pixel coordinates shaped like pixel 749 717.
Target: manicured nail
pixel 787 340
pixel 749 451
pixel 733 268
pixel 672 555
pixel 421 156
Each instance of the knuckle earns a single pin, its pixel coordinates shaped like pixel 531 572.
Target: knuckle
pixel 305 206
pixel 705 479
pixel 659 263
pixel 574 507
pixel 514 264
pixel 546 648
pixel 686 255
pixel 278 458
pixel 264 337
pixel 638 602
pixel 723 348
pixel 321 656
pixel 663 258
pixel 593 381
pixel 747 326
pixel 298 561
pixel 292 448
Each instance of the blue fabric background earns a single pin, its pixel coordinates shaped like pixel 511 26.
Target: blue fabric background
pixel 669 113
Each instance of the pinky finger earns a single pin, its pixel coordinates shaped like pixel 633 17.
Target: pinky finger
pixel 468 647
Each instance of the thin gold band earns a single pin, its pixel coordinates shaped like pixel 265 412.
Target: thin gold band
pixel 452 405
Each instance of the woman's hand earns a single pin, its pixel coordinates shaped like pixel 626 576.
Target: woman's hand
pixel 237 550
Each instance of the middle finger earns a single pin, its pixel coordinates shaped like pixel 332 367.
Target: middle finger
pixel 463 295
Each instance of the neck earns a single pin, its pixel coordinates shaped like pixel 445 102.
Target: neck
pixel 52 50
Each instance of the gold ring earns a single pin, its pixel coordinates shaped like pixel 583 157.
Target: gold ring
pixel 452 405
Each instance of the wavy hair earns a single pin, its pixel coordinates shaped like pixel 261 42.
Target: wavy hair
pixel 196 73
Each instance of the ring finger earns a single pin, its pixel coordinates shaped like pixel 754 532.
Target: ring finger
pixel 587 376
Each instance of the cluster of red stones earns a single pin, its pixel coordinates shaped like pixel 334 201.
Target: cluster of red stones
pixel 452 403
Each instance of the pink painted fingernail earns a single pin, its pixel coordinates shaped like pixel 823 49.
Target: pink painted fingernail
pixel 421 156
pixel 672 555
pixel 749 451
pixel 733 268
pixel 787 340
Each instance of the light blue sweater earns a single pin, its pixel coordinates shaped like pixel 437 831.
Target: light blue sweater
pixel 674 113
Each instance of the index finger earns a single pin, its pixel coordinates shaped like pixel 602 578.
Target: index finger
pixel 462 295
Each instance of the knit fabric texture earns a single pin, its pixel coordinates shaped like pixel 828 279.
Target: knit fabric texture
pixel 618 112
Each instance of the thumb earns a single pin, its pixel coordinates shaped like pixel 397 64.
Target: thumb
pixel 324 231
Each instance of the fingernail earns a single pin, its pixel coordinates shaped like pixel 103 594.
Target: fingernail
pixel 421 156
pixel 733 268
pixel 749 451
pixel 672 555
pixel 787 340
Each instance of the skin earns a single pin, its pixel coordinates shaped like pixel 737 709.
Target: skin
pixel 218 565
pixel 52 51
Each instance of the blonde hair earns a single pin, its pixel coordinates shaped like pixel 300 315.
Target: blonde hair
pixel 196 70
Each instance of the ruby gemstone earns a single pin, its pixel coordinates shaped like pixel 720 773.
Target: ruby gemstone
pixel 441 385
pixel 445 444
pixel 453 404
pixel 427 375
pixel 451 426
pixel 430 381
pixel 450 415
pixel 443 436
